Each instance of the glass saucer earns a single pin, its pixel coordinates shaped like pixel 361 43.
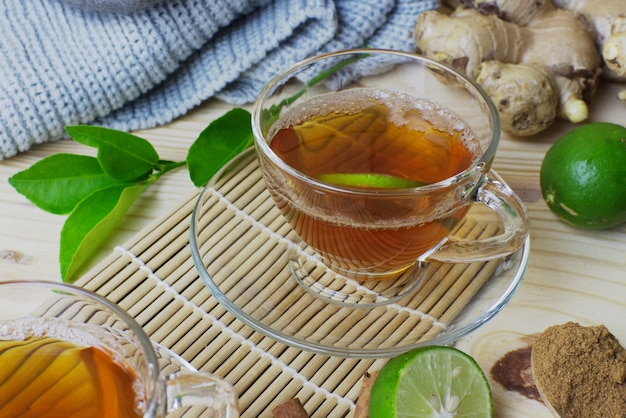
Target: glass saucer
pixel 244 252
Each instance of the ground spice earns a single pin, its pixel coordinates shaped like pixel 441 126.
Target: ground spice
pixel 581 371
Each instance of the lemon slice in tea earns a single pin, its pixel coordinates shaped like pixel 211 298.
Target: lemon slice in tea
pixel 435 381
pixel 369 180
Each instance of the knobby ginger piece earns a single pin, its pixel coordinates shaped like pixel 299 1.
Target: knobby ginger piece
pixel 518 37
pixel 608 19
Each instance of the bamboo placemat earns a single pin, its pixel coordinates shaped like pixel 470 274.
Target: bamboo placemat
pixel 154 279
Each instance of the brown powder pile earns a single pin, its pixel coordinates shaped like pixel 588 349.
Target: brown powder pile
pixel 581 371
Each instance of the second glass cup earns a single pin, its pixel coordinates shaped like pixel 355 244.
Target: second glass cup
pixel 67 351
pixel 374 156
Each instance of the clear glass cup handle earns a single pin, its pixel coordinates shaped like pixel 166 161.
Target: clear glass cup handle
pixel 495 194
pixel 201 389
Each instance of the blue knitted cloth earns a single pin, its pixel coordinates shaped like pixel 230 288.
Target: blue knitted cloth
pixel 135 69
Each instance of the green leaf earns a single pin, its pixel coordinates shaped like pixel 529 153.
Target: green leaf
pixel 57 183
pixel 224 138
pixel 122 155
pixel 90 223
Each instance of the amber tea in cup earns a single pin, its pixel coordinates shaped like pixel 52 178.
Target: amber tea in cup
pixel 43 374
pixel 67 352
pixel 373 139
pixel 375 162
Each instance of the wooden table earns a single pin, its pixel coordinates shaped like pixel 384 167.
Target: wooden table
pixel 573 274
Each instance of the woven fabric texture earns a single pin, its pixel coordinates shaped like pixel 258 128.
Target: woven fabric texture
pixel 141 67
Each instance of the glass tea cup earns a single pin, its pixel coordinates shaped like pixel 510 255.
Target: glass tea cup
pixel 374 156
pixel 65 350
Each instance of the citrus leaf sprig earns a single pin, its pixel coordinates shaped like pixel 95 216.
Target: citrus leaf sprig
pixel 96 192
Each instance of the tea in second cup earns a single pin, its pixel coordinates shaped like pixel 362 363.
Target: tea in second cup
pixel 374 172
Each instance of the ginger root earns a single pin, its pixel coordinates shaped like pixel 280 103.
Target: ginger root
pixel 608 19
pixel 537 62
pixel 528 113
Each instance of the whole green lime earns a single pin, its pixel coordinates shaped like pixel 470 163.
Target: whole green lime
pixel 435 382
pixel 583 176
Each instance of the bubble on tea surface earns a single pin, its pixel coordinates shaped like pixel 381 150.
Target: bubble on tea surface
pixel 24 328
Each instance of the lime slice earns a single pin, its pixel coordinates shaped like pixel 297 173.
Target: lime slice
pixel 369 180
pixel 432 381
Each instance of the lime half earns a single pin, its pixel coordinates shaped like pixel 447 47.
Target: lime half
pixel 432 381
